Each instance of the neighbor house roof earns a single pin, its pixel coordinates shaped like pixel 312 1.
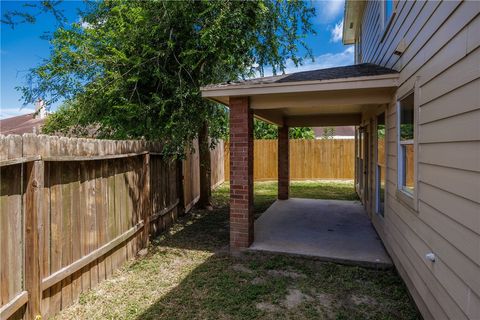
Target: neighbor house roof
pixel 340 131
pixel 26 123
pixel 352 71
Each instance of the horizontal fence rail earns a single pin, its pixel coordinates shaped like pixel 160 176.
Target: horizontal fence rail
pixel 309 159
pixel 72 211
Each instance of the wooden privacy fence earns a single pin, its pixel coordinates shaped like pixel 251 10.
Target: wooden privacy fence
pixel 217 164
pixel 309 159
pixel 73 210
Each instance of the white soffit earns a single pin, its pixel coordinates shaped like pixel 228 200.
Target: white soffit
pixel 352 20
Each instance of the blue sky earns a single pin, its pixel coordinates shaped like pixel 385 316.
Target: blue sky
pixel 22 48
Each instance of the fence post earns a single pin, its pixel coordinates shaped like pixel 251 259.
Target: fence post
pixel 180 194
pixel 33 227
pixel 147 211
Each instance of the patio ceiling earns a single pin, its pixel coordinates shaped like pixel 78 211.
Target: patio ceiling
pixel 325 97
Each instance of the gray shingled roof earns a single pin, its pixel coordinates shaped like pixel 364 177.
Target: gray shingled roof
pixel 356 70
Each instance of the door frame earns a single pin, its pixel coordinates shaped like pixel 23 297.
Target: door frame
pixel 366 164
pixel 363 154
pixel 377 174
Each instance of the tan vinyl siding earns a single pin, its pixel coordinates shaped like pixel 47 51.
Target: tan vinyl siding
pixel 465 124
pixel 465 99
pixel 460 155
pixel 460 182
pixel 442 58
pixel 447 203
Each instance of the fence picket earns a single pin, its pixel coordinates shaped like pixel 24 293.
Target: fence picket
pixel 62 199
pixel 309 159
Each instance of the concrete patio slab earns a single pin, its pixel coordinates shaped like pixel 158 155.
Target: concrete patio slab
pixel 330 230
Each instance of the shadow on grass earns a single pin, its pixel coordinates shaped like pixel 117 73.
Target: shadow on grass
pixel 214 227
pixel 209 231
pixel 253 285
pixel 278 287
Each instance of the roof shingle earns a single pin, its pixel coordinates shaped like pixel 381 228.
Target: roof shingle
pixel 26 123
pixel 352 71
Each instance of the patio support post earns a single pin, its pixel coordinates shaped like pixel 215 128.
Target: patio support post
pixel 241 173
pixel 283 163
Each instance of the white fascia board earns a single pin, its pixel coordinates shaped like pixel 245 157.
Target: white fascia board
pixel 367 82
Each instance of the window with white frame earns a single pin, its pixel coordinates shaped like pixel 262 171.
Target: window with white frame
pixel 406 142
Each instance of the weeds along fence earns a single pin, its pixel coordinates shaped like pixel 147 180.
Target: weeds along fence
pixel 72 211
pixel 309 159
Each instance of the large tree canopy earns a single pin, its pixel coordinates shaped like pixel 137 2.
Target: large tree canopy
pixel 132 69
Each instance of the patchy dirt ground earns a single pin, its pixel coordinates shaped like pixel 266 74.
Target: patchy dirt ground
pixel 188 274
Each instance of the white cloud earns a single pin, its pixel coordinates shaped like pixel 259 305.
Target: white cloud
pixel 328 11
pixel 85 25
pixel 336 32
pixel 13 112
pixel 327 60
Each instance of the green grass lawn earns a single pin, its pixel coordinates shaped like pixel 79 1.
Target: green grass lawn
pixel 266 192
pixel 188 274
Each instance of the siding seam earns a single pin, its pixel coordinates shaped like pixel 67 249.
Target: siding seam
pixel 420 30
pixel 450 242
pixel 440 188
pixel 392 57
pixel 414 266
pixel 422 259
pixel 386 44
pixel 445 166
pixel 432 56
pixel 452 115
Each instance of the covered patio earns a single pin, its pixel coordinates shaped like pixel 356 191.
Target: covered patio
pixel 326 97
pixel 330 230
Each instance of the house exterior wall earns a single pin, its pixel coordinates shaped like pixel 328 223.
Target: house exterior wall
pixel 441 65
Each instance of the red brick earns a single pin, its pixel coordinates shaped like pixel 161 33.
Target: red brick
pixel 283 163
pixel 241 173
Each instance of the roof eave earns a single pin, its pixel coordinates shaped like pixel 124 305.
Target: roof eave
pixel 220 94
pixel 352 20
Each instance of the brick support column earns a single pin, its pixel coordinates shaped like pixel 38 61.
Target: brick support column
pixel 241 173
pixel 283 164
